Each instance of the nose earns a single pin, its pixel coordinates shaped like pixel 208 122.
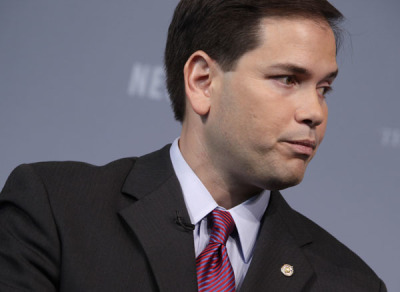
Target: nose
pixel 312 109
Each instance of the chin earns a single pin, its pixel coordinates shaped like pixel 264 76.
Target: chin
pixel 281 183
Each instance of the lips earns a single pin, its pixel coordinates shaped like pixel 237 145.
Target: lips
pixel 302 147
pixel 307 143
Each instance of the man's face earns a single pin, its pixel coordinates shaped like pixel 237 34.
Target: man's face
pixel 268 116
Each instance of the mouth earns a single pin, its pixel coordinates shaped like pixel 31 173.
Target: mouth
pixel 302 147
pixel 307 143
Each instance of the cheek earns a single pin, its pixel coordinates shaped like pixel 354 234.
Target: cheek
pixel 263 117
pixel 321 131
pixel 322 128
pixel 252 110
pixel 237 106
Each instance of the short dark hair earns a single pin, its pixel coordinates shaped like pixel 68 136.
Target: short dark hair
pixel 225 30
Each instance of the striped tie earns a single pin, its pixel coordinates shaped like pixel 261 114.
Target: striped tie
pixel 214 270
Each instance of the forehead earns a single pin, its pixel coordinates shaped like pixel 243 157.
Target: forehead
pixel 306 42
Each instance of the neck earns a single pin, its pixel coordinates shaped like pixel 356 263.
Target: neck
pixel 223 186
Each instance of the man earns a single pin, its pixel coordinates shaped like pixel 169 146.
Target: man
pixel 247 79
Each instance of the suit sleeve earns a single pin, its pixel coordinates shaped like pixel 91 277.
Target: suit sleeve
pixel 29 243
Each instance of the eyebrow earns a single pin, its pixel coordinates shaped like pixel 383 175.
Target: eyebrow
pixel 294 69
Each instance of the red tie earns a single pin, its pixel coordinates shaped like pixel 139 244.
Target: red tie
pixel 214 270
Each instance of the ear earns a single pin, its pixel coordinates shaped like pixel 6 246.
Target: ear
pixel 198 79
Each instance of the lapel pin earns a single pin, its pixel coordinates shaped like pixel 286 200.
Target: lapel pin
pixel 287 270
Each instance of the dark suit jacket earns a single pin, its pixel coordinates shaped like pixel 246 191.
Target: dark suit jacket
pixel 76 227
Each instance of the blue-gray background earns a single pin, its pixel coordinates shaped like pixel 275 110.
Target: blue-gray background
pixel 83 80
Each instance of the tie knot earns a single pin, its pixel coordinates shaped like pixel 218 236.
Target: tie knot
pixel 222 226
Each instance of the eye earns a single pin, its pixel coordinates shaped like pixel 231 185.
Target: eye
pixel 286 80
pixel 324 90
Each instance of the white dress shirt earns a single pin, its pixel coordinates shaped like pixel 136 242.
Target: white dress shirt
pixel 200 203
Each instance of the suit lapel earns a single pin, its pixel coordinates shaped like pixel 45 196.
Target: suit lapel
pixel 280 241
pixel 168 246
pixel 170 249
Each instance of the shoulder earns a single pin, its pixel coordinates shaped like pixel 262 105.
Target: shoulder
pixel 332 259
pixel 318 244
pixel 327 246
pixel 67 172
pixel 65 182
pixel 75 169
pixel 334 264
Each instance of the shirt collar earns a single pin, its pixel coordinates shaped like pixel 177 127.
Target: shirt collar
pixel 247 218
pixel 198 200
pixel 200 203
